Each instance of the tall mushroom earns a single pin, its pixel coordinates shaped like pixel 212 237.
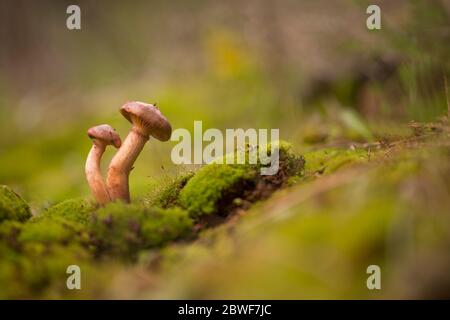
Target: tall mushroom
pixel 101 136
pixel 147 121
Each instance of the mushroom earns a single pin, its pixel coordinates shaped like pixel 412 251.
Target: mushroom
pixel 101 136
pixel 147 121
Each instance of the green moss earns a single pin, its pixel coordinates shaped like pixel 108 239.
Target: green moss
pixel 9 230
pixel 213 183
pixel 12 206
pixel 8 272
pixel 51 230
pixel 167 195
pixel 39 270
pixel 291 165
pixel 329 160
pixel 77 210
pixel 44 267
pixel 62 223
pixel 9 227
pixel 35 255
pixel 124 229
pixel 215 186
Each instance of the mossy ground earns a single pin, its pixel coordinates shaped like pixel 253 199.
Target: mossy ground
pixel 77 230
pixel 327 161
pixel 218 188
pixel 12 206
pixel 76 210
pixel 339 210
pixel 124 229
pixel 316 239
pixel 166 196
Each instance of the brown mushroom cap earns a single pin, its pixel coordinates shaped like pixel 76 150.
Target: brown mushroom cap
pixel 148 118
pixel 105 134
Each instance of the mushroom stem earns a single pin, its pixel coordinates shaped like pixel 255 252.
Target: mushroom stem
pixel 94 176
pixel 122 163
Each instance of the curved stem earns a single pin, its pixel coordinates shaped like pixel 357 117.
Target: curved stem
pixel 121 165
pixel 94 175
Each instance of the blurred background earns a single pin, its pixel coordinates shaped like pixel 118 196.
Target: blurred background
pixel 310 68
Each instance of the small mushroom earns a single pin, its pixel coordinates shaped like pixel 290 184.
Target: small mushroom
pixel 147 121
pixel 101 136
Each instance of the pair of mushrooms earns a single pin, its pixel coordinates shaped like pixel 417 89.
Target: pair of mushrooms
pixel 147 120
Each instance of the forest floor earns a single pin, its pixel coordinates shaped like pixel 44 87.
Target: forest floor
pixel 226 232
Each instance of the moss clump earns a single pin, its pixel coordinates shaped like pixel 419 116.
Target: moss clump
pixel 124 229
pixel 43 231
pixel 12 206
pixel 63 223
pixel 326 161
pixel 290 163
pixel 214 183
pixel 35 254
pixel 167 196
pixel 215 187
pixel 52 230
pixel 39 270
pixel 9 230
pixel 77 210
